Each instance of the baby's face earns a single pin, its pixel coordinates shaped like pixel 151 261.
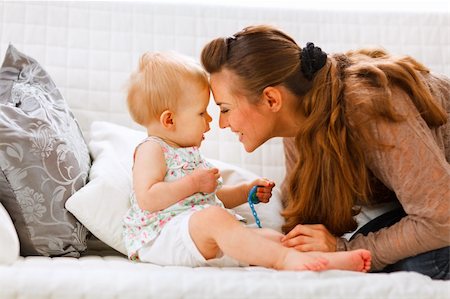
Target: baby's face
pixel 191 118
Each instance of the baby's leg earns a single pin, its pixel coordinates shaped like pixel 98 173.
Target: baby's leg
pixel 354 260
pixel 269 234
pixel 214 229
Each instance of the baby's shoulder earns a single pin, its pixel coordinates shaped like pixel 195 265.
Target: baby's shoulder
pixel 150 145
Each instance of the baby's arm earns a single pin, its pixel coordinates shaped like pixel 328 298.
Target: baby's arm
pixel 235 195
pixel 152 193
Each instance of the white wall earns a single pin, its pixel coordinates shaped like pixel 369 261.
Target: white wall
pixel 90 48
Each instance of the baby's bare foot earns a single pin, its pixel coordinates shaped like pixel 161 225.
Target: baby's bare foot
pixel 361 260
pixel 355 260
pixel 367 257
pixel 298 261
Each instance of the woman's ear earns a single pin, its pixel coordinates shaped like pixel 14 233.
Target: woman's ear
pixel 273 98
pixel 167 119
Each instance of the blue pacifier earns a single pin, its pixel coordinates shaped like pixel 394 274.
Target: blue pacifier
pixel 253 200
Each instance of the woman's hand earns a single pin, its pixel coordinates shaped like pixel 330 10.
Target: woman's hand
pixel 264 190
pixel 310 237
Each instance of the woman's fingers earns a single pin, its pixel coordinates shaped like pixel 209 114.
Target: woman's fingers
pixel 310 237
pixel 297 241
pixel 299 229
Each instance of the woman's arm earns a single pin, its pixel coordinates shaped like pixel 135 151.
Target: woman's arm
pixel 417 171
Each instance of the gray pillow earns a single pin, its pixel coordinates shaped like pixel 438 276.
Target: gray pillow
pixel 43 159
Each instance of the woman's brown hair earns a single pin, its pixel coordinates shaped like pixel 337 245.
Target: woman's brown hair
pixel 330 174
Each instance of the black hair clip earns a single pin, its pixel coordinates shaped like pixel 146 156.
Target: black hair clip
pixel 312 60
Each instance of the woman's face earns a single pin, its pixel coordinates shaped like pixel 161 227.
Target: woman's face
pixel 249 121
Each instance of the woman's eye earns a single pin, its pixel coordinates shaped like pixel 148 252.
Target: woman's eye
pixel 224 110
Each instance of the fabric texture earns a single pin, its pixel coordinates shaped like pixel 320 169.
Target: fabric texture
pixel 43 159
pixel 9 241
pixel 109 187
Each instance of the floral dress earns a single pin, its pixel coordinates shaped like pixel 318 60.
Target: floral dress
pixel 141 226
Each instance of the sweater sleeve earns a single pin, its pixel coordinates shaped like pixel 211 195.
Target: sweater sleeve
pixel 415 168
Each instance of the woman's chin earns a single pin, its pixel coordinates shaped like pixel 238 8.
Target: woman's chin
pixel 249 147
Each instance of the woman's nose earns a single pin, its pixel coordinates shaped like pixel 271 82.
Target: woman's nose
pixel 223 121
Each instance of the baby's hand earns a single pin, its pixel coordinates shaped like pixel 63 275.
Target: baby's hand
pixel 264 190
pixel 205 180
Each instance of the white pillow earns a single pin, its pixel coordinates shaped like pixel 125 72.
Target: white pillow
pixel 102 203
pixel 9 241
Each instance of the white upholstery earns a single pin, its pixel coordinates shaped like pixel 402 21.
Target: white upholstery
pixel 115 277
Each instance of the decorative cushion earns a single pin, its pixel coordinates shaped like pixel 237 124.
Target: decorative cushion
pixel 102 203
pixel 43 159
pixel 9 242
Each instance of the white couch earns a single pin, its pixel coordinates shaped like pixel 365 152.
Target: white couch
pixel 90 48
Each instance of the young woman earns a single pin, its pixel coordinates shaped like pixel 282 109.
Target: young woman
pixel 361 127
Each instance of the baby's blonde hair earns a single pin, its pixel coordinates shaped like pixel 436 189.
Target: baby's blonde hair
pixel 158 83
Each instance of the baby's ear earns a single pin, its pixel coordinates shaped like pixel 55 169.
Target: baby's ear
pixel 166 119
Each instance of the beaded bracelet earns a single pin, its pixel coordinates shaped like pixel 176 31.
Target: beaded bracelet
pixel 253 199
